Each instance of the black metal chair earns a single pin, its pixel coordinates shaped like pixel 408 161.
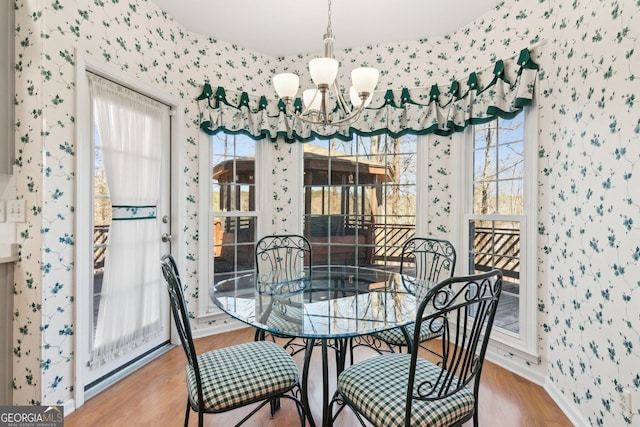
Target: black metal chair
pixel 232 377
pixel 279 259
pixel 401 389
pixel 428 261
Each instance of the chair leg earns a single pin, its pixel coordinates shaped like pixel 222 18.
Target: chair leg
pixel 274 405
pixel 301 413
pixel 186 416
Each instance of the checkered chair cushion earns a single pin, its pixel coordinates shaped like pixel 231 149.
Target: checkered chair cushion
pixel 285 318
pixel 396 337
pixel 240 374
pixel 377 389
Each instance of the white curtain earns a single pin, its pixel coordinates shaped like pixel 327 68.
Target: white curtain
pixel 129 129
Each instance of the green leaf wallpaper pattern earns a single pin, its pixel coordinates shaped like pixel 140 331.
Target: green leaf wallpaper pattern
pixel 589 151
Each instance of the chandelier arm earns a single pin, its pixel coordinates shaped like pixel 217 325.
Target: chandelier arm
pixel 301 116
pixel 351 118
pixel 341 101
pixel 288 102
pixel 289 126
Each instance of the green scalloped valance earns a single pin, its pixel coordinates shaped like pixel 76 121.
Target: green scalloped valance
pixel 482 97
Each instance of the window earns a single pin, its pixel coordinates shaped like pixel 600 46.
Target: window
pixel 498 204
pixel 232 216
pixel 359 199
pixel 498 227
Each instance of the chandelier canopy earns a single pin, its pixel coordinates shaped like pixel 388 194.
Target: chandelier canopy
pixel 323 74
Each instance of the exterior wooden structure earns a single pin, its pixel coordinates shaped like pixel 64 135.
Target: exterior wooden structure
pixel 231 197
pixel 351 236
pixel 349 231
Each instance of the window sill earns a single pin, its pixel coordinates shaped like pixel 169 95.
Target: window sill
pixel 8 253
pixel 501 344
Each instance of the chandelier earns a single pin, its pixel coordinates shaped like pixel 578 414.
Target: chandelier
pixel 323 74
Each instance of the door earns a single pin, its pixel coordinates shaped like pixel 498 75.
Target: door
pixel 131 229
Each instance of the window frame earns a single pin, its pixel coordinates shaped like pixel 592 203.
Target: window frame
pixel 525 343
pixel 206 309
pixel 419 151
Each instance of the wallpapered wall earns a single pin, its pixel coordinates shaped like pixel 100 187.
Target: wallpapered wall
pixel 589 152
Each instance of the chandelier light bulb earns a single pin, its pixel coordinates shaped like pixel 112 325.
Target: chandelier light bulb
pixel 312 99
pixel 323 71
pixel 286 85
pixel 365 79
pixel 356 100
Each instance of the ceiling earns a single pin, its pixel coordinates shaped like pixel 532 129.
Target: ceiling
pixel 288 27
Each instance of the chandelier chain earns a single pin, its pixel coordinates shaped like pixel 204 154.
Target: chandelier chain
pixel 329 29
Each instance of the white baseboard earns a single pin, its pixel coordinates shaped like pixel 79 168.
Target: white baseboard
pixel 532 373
pixel 69 406
pixel 217 327
pixel 537 376
pixel 566 406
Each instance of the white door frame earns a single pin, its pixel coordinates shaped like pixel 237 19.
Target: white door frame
pixel 84 191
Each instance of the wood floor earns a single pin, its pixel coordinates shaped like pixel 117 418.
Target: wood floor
pixel 156 396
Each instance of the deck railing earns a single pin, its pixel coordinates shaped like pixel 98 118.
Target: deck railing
pixel 497 248
pixel 100 235
pixel 494 248
pixel 388 240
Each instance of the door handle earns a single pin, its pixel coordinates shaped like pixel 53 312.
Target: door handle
pixel 166 237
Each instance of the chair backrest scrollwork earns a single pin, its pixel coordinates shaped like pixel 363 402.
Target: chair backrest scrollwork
pixel 462 309
pixel 282 258
pixel 428 261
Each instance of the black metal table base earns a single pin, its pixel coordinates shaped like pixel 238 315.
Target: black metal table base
pixel 339 345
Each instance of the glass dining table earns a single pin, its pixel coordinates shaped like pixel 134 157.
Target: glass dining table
pixel 325 305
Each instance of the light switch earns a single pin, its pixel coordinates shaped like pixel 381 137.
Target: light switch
pixel 15 210
pixel 2 211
